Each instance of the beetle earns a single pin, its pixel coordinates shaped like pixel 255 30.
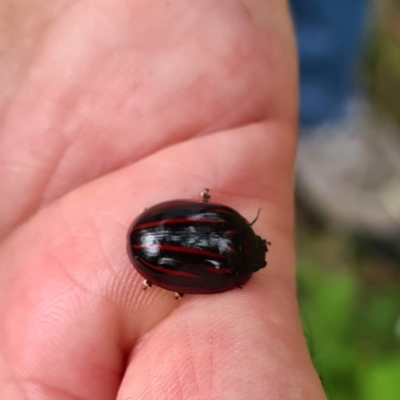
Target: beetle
pixel 195 247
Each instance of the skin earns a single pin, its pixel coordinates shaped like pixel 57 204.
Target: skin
pixel 107 108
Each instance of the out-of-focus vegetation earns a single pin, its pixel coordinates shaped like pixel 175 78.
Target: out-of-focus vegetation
pixel 349 294
pixel 383 58
pixel 352 324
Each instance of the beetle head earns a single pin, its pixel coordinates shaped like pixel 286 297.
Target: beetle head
pixel 262 248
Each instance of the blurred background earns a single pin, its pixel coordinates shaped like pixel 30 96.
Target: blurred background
pixel 349 268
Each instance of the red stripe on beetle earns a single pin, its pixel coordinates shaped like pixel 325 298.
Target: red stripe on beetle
pixel 178 221
pixel 167 270
pixel 220 270
pixel 179 249
pixel 231 249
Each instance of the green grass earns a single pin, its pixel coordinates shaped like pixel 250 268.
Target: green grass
pixel 352 328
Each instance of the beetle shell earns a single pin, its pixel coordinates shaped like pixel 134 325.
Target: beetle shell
pixel 194 247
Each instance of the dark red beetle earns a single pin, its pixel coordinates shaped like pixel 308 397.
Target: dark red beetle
pixel 195 247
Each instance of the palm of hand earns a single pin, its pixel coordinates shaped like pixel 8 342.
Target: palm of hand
pixel 110 108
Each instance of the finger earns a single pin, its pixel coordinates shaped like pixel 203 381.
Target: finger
pixel 88 98
pixel 71 303
pixel 236 345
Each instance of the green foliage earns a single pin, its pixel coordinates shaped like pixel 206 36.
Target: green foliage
pixel 380 381
pixel 351 332
pixel 382 58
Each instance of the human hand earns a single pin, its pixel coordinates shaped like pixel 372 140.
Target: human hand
pixel 108 108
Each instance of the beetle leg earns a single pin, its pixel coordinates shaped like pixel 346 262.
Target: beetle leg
pixel 239 287
pixel 146 284
pixel 178 295
pixel 205 195
pixel 266 244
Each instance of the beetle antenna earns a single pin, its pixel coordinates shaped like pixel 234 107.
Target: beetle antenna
pixel 256 218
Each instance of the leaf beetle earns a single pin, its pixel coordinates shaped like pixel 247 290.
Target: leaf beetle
pixel 195 247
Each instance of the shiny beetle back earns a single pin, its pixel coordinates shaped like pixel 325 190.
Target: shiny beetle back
pixel 194 247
